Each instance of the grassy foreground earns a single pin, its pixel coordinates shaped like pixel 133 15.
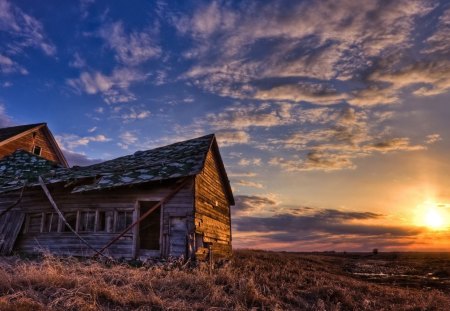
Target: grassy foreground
pixel 252 280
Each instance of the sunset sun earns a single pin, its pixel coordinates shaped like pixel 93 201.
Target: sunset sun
pixel 432 216
pixel 433 219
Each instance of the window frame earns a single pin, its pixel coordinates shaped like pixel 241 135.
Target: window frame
pixel 39 148
pixel 110 223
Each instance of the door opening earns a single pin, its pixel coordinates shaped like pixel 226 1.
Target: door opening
pixel 149 228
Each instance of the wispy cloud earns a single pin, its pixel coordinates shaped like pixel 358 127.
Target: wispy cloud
pixel 131 48
pixel 250 161
pixel 310 40
pixel 433 138
pixel 72 141
pixel 114 88
pixel 230 138
pixel 5 120
pixel 248 184
pixel 23 31
pixel 77 61
pixel 127 138
pixel 135 114
pixel 7 65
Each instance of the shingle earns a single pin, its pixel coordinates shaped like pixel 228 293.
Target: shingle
pixel 181 159
pixel 9 132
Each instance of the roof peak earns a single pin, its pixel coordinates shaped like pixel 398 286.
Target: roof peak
pixel 31 125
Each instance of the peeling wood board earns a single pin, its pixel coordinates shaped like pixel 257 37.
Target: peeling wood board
pixel 10 225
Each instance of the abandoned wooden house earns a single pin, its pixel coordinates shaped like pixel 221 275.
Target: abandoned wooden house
pixel 169 201
pixel 35 138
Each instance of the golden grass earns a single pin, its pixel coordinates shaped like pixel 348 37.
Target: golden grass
pixel 253 279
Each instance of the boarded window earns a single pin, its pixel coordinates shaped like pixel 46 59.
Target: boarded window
pixel 87 221
pixel 71 219
pixel 124 219
pixel 34 223
pixel 51 222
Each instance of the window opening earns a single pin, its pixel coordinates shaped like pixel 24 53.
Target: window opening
pixel 37 150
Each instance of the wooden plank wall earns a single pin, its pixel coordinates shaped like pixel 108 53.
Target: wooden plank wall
pixel 27 142
pixel 10 225
pixel 212 211
pixel 123 199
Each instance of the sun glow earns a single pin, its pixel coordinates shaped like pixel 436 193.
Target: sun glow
pixel 432 216
pixel 433 219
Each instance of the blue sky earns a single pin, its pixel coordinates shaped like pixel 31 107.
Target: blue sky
pixel 332 116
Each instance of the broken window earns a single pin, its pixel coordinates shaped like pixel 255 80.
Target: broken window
pixel 71 219
pixel 51 222
pixel 34 222
pixel 37 150
pixel 101 222
pixel 87 221
pixel 124 219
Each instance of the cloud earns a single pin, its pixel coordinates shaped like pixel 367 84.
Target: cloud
pixel 249 184
pixel 131 48
pixel 319 41
pixel 433 138
pixel 394 144
pixel 244 116
pixel 230 138
pixel 71 141
pixel 292 225
pixel 260 220
pixel 134 114
pixel 315 160
pixel 309 92
pixel 78 61
pixel 23 30
pixel 431 77
pixel 79 159
pixel 127 138
pixel 250 204
pixel 113 88
pixel 5 120
pixel 372 95
pixel 439 41
pixel 7 65
pixel 248 161
pixel 245 174
pixel 305 228
pixel 348 134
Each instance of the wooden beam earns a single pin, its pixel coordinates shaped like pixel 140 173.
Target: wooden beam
pixel 143 216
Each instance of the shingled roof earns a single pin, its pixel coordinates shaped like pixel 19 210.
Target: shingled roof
pixel 181 159
pixel 9 132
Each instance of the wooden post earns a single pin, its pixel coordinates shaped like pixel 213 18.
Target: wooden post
pixel 136 237
pixel 210 255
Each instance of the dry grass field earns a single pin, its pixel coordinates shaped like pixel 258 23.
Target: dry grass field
pixel 252 280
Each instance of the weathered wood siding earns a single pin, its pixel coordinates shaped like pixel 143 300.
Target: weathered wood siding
pixel 118 199
pixel 10 225
pixel 212 211
pixel 27 143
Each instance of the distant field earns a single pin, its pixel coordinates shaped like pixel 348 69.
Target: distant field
pixel 253 279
